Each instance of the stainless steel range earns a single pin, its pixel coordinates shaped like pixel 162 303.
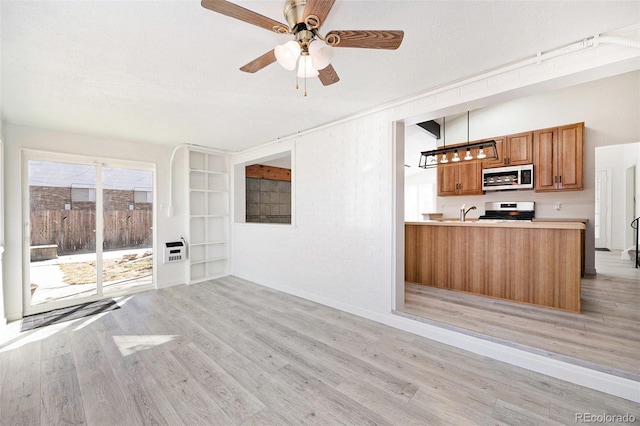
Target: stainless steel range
pixel 508 210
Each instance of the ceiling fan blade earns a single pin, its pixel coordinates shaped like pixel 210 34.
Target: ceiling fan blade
pixel 260 62
pixel 246 15
pixel 319 8
pixel 328 76
pixel 365 39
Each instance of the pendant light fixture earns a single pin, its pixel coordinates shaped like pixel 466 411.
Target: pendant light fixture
pixel 428 159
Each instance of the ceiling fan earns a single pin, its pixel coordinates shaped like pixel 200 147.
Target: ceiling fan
pixel 310 52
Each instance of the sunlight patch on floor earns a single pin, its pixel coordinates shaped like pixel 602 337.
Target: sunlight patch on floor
pixel 128 345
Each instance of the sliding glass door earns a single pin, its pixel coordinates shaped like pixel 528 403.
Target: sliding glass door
pixel 88 231
pixel 127 211
pixel 62 237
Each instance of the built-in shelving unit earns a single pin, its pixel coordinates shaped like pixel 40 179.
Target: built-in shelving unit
pixel 208 215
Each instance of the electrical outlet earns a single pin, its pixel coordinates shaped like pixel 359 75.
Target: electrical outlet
pixel 558 205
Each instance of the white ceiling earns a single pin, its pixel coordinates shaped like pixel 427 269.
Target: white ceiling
pixel 167 71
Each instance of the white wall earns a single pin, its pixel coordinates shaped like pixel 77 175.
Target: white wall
pixel 20 137
pixel 340 246
pixel 420 194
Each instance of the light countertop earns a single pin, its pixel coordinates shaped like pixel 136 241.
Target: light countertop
pixel 537 224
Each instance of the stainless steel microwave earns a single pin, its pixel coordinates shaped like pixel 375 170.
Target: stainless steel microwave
pixel 507 178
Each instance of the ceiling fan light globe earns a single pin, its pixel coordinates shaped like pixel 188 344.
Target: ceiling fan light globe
pixel 321 54
pixel 305 68
pixel 287 54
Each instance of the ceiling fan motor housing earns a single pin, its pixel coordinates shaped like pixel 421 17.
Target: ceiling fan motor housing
pixel 294 13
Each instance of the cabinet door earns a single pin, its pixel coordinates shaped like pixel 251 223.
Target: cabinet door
pixel 447 179
pixel 469 178
pixel 500 148
pixel 570 156
pixel 544 171
pixel 519 149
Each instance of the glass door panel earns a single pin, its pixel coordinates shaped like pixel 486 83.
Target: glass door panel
pixel 62 231
pixel 128 229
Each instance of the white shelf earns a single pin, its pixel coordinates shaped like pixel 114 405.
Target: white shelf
pixel 208 243
pixel 209 202
pixel 196 262
pixel 211 172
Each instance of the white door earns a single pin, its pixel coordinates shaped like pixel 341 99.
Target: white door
pixel 601 221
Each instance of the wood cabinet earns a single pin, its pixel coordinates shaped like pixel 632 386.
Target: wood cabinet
pixel 462 178
pixel 537 263
pixel 513 150
pixel 558 158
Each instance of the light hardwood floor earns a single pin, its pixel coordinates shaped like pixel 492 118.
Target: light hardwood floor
pixel 605 336
pixel 231 352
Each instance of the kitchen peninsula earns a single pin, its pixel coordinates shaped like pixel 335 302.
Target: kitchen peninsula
pixel 531 262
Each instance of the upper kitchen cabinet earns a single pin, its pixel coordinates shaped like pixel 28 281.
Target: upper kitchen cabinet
pixel 461 178
pixel 513 150
pixel 558 158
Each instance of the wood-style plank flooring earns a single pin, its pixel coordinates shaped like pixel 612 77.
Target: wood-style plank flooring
pixel 231 352
pixel 606 334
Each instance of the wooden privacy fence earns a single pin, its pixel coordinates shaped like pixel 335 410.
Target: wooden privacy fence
pixel 74 230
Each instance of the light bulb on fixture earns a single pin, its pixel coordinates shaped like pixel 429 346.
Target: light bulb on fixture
pixel 455 158
pixel 287 54
pixel 320 53
pixel 481 154
pixel 444 158
pixel 305 69
pixel 468 155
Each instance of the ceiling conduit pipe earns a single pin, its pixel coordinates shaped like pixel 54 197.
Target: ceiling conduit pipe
pixel 594 41
pixel 625 42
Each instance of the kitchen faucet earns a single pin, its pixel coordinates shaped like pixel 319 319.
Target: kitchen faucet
pixel 463 212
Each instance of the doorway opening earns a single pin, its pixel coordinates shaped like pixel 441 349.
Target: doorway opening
pixel 571 336
pixel 89 228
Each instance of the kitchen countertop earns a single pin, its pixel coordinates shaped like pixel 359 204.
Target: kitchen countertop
pixel 537 224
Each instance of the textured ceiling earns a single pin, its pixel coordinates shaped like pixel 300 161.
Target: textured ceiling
pixel 167 71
